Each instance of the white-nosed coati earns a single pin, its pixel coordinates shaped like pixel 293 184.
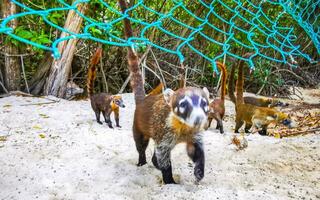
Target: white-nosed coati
pixel 102 102
pixel 217 108
pixel 171 118
pixel 259 117
pixel 168 118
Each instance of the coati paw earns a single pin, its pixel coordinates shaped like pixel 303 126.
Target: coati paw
pixel 110 125
pixel 119 126
pixel 198 173
pixel 169 181
pixel 99 122
pixel 263 132
pixel 141 163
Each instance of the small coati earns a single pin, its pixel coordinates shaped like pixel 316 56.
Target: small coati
pixel 261 102
pixel 102 102
pixel 217 108
pixel 259 117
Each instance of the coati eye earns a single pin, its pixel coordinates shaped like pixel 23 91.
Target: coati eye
pixel 204 105
pixel 183 104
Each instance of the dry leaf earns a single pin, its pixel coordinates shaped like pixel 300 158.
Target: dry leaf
pixel 42 135
pixel 38 127
pixel 44 115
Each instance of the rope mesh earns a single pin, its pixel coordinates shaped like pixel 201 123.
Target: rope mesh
pixel 224 24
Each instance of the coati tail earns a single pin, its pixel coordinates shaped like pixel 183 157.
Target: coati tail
pixel 231 84
pixel 224 79
pixel 240 83
pixel 157 90
pixel 136 81
pixel 92 71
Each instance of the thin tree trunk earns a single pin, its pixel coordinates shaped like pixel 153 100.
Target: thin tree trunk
pixel 60 69
pixel 12 76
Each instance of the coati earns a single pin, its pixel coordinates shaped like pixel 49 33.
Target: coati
pixel 217 108
pixel 259 117
pixel 264 102
pixel 171 118
pixel 261 102
pixel 168 118
pixel 102 102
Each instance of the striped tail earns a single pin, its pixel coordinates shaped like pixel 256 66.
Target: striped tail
pixel 224 79
pixel 92 71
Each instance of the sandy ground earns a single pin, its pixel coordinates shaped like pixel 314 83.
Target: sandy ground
pixel 57 151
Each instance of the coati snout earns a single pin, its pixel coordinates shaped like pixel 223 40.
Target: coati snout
pixel 289 123
pixel 190 106
pixel 117 100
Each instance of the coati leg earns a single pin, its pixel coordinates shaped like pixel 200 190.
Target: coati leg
pixel 141 145
pixel 107 118
pixel 161 157
pixel 210 120
pixel 247 128
pixel 263 131
pixel 97 112
pixel 239 123
pixel 219 124
pixel 116 117
pixel 161 160
pixel 196 153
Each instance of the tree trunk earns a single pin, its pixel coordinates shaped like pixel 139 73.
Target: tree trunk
pixel 38 81
pixel 60 69
pixel 12 76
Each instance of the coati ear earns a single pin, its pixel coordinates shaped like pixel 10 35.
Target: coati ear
pixel 167 94
pixel 206 91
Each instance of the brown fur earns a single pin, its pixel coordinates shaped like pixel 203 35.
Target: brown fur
pixel 154 119
pixel 157 90
pixel 264 102
pixel 102 102
pixel 252 115
pixel 217 108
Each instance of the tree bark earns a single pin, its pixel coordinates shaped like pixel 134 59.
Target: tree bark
pixel 60 69
pixel 12 76
pixel 38 81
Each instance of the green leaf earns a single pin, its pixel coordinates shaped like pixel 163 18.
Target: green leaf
pixel 25 34
pixel 44 40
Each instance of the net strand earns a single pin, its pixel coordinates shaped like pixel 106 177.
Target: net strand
pixel 280 39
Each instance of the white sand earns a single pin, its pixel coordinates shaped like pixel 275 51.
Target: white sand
pixel 80 159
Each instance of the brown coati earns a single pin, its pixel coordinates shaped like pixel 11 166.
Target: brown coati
pixel 168 118
pixel 264 102
pixel 102 102
pixel 171 118
pixel 217 108
pixel 261 102
pixel 259 117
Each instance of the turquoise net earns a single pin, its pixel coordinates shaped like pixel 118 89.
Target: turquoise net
pixel 263 33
